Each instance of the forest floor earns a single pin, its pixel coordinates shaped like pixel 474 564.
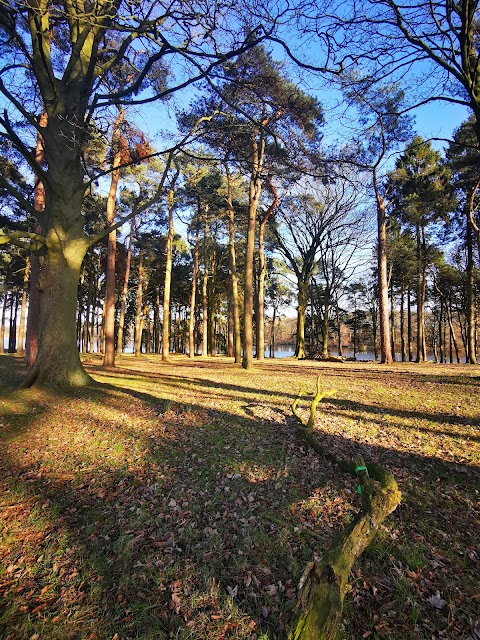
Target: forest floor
pixel 175 500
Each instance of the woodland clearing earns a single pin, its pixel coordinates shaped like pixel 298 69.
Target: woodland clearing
pixel 175 499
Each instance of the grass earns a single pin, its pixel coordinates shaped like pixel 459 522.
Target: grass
pixel 175 501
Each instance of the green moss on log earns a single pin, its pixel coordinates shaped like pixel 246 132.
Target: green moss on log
pixel 324 583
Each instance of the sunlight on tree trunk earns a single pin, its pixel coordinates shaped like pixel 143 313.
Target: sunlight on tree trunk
pixel 109 322
pixel 168 274
pixel 58 360
pixel 138 314
pixel 23 309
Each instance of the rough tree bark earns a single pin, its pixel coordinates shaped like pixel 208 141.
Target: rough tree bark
pixel 324 582
pixel 33 316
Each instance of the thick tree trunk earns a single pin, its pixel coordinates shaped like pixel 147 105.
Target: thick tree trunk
pixel 385 344
pixel 33 317
pixel 301 310
pixel 58 360
pixel 65 245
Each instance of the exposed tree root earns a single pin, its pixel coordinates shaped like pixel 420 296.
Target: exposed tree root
pixel 324 583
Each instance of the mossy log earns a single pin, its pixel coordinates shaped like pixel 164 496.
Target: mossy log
pixel 324 583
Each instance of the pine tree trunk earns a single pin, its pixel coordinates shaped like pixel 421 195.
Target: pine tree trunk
pixel 232 265
pixel 471 357
pixel 12 335
pixel 385 344
pixel 123 300
pixel 440 334
pixel 402 321
pixel 421 291
pixel 255 186
pixel 205 295
pixel 33 316
pixel 392 320
pixel 109 321
pixel 168 276
pixel 148 328
pixel 23 309
pixel 211 307
pixel 2 326
pixel 262 272
pixel 193 294
pixel 138 314
pixel 409 325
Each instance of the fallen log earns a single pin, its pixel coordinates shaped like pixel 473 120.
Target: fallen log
pixel 324 582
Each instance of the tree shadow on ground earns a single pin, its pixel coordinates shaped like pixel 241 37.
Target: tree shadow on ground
pixel 211 516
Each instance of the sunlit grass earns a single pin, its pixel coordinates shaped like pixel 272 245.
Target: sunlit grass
pixel 176 501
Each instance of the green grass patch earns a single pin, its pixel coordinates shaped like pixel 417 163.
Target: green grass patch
pixel 175 500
